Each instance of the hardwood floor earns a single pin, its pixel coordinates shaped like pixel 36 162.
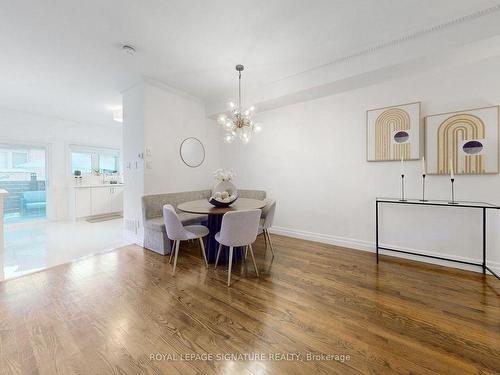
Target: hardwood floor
pixel 111 312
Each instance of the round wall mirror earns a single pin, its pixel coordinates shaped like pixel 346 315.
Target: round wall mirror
pixel 192 152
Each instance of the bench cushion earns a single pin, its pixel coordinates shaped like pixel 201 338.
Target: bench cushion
pixel 35 205
pixel 34 196
pixel 158 225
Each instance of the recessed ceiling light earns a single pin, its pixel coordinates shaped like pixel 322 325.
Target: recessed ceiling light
pixel 129 49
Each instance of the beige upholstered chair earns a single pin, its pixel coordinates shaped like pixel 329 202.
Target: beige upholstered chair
pixel 155 236
pixel 177 232
pixel 239 229
pixel 252 194
pixel 266 222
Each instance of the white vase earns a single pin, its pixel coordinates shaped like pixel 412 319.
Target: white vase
pixel 225 186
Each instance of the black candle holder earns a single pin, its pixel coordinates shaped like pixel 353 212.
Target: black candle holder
pixel 423 189
pixel 402 188
pixel 453 192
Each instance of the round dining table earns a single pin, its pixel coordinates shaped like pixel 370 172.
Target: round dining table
pixel 214 223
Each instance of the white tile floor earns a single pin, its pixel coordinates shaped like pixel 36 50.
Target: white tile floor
pixel 35 246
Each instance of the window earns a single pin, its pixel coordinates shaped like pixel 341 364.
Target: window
pixel 90 160
pixel 108 163
pixel 81 162
pixel 19 158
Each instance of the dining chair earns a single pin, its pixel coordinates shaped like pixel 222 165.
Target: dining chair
pixel 267 222
pixel 177 232
pixel 239 229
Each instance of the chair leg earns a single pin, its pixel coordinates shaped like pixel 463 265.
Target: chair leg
pixel 217 257
pixel 265 239
pixel 172 250
pixel 175 257
pixel 270 242
pixel 246 252
pixel 230 265
pixel 253 260
pixel 203 252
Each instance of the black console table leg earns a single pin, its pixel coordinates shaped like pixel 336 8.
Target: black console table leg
pixel 484 240
pixel 376 228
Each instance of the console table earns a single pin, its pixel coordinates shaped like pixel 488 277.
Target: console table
pixel 472 205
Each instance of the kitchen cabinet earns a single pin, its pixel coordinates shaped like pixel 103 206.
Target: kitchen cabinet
pixel 117 199
pixel 82 202
pixel 101 200
pixel 96 200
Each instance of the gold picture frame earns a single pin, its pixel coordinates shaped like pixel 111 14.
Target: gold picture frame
pixel 394 132
pixel 467 139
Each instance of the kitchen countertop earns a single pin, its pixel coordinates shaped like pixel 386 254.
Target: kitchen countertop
pixel 97 185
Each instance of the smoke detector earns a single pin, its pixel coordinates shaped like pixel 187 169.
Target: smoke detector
pixel 127 48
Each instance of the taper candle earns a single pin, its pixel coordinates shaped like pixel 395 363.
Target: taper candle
pixel 424 172
pixel 452 173
pixel 402 166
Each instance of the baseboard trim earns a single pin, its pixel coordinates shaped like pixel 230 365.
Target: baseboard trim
pixel 133 237
pixel 370 247
pixel 324 238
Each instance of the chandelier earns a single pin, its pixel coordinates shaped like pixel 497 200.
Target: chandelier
pixel 238 122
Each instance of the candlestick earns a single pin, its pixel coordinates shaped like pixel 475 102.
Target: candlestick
pixel 402 188
pixel 423 189
pixel 452 192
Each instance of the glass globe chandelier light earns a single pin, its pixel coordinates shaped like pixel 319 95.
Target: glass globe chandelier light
pixel 238 122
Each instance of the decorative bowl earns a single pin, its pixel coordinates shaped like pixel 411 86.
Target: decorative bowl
pixel 219 204
pixel 225 186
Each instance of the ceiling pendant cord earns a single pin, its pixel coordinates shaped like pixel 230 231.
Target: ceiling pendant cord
pixel 239 91
pixel 239 69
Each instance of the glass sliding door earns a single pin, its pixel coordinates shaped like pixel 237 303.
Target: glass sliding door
pixel 23 173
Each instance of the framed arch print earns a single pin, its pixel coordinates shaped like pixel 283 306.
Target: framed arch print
pixel 467 140
pixel 393 133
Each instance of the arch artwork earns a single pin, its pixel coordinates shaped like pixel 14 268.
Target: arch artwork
pixel 388 122
pixel 451 134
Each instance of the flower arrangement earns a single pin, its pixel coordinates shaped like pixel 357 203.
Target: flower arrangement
pixel 222 175
pixel 224 193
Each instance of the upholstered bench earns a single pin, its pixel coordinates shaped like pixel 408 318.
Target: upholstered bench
pixel 155 237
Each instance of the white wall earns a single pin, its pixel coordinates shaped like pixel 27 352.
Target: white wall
pixel 171 117
pixel 156 121
pixel 312 158
pixel 56 134
pixel 133 166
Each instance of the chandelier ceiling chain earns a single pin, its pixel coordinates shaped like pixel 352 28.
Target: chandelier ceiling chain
pixel 238 122
pixel 239 85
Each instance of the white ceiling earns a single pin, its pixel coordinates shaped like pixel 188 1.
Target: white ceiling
pixel 62 57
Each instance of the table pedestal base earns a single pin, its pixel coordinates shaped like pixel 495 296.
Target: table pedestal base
pixel 214 224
